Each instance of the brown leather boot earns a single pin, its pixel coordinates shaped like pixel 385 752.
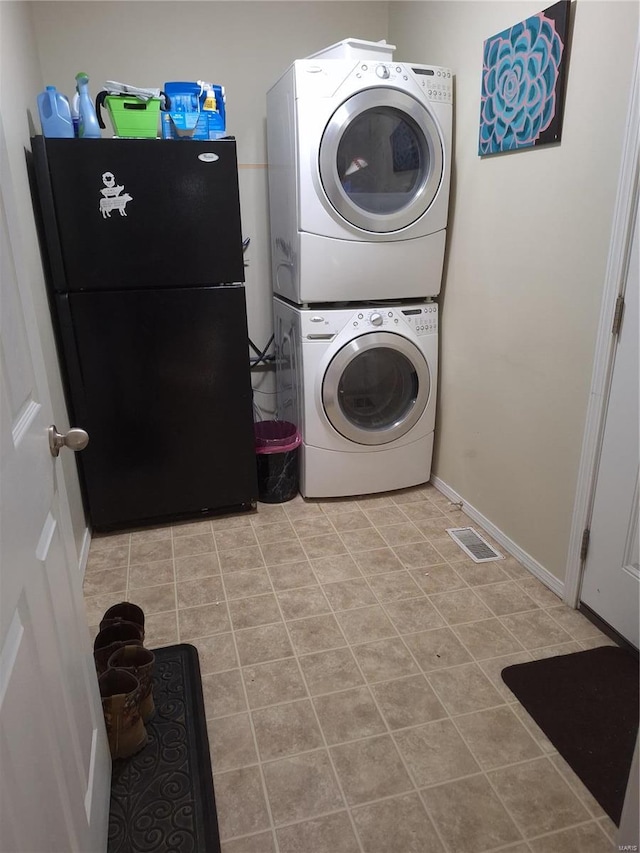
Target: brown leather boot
pixel 126 732
pixel 124 612
pixel 109 641
pixel 138 662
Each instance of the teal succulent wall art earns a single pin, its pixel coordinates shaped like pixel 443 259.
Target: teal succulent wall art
pixel 523 76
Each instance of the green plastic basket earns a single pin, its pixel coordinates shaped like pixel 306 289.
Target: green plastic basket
pixel 130 116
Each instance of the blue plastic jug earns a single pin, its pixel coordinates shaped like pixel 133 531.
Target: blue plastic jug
pixel 55 114
pixel 88 127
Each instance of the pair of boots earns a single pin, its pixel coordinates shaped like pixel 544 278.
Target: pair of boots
pixel 125 678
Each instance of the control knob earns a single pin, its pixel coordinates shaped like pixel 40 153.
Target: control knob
pixel 382 71
pixel 375 319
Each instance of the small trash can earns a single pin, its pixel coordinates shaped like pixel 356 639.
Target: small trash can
pixel 277 449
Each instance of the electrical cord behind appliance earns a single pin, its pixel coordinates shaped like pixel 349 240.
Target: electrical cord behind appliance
pixel 261 356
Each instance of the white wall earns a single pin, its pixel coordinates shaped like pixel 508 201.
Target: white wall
pixel 20 82
pixel 528 242
pixel 244 46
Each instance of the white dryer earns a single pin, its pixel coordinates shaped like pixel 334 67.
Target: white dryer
pixel 359 170
pixel 360 384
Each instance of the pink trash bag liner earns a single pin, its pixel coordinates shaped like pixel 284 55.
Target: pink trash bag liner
pixel 276 436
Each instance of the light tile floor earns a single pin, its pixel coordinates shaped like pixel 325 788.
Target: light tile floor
pixel 351 657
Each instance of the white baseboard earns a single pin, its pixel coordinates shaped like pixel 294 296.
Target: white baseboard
pixel 542 574
pixel 84 551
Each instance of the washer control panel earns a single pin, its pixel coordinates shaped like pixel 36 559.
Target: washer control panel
pixel 423 321
pixel 324 324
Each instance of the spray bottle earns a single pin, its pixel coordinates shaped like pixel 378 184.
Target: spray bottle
pixel 210 97
pixel 89 127
pixel 210 101
pixel 75 113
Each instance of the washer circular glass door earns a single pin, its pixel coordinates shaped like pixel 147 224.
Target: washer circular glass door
pixel 376 388
pixel 381 160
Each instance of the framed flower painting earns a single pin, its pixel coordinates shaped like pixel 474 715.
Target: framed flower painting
pixel 523 77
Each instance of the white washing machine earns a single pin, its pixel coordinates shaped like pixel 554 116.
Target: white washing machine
pixel 359 170
pixel 360 383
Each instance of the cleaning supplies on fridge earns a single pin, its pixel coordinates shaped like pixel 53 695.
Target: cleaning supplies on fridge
pixel 131 117
pixel 75 114
pixel 89 127
pixel 196 111
pixel 114 88
pixel 134 111
pixel 210 101
pixel 55 113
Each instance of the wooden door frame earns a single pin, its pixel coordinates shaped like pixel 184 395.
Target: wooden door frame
pixel 606 343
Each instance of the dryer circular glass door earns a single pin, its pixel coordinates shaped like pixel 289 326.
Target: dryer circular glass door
pixel 381 160
pixel 376 388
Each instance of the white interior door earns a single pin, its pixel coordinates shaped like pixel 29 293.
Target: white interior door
pixel 54 757
pixel 610 584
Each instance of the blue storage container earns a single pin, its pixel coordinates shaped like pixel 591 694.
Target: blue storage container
pixel 190 115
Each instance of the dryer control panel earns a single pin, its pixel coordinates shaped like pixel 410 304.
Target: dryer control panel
pixel 435 81
pixel 338 78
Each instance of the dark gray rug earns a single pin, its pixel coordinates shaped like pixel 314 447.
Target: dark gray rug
pixel 162 798
pixel 587 705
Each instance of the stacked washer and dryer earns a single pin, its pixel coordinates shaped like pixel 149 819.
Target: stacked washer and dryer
pixel 359 150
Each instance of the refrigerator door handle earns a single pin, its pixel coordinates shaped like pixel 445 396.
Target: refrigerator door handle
pixel 76 439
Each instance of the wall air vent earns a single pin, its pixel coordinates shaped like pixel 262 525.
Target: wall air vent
pixel 474 545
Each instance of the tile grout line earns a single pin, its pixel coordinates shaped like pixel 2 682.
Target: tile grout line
pixel 449 716
pixel 175 585
pixel 407 769
pixel 506 846
pixel 313 708
pixel 389 731
pixel 550 833
pixel 571 638
pixel 263 782
pixel 382 603
pixel 517 824
pixel 330 693
pixel 579 789
pixel 128 568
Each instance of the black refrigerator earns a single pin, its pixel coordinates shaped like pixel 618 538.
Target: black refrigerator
pixel 143 252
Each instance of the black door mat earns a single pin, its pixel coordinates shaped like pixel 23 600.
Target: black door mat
pixel 587 705
pixel 162 798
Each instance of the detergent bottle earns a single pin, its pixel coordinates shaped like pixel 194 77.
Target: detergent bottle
pixel 89 127
pixel 55 115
